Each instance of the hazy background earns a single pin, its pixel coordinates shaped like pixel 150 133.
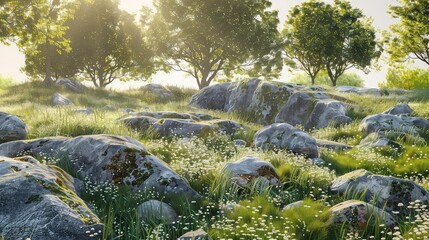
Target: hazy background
pixel 11 60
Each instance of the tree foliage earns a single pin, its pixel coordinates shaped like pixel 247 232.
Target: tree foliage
pixel 409 39
pixel 106 45
pixel 406 77
pixel 205 38
pixel 322 79
pixel 334 37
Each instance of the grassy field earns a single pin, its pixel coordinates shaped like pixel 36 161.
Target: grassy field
pixel 201 162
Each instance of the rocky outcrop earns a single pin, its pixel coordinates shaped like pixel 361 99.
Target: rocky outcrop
pixel 400 109
pixel 359 90
pixel 357 215
pixel 313 110
pixel 71 84
pixel 39 202
pixel 155 212
pixel 285 136
pixel 389 193
pixel 11 128
pixel 212 97
pixel 159 90
pixel 182 125
pixel 106 158
pixel 60 100
pixel 249 168
pixel 387 123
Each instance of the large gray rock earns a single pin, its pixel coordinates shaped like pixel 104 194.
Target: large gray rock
pixel 240 95
pixel 313 110
pixel 385 123
pixel 375 140
pixel 212 97
pixel 11 128
pixel 176 115
pixel 267 100
pixel 60 100
pixel 155 212
pixel 159 90
pixel 400 109
pixel 359 90
pixel 106 158
pixel 249 168
pixel 39 202
pixel 390 193
pixel 285 136
pixel 182 128
pixel 71 84
pixel 198 234
pixel 357 215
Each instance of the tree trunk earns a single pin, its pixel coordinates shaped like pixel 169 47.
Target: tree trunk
pixel 313 79
pixel 48 74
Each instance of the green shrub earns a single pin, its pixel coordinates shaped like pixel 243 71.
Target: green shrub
pixel 406 77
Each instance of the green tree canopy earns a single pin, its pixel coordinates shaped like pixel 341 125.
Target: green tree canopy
pixel 106 45
pixel 207 37
pixel 410 37
pixel 334 37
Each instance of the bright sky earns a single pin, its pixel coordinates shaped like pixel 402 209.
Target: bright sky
pixel 11 60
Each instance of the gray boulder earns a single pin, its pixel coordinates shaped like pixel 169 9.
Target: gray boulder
pixel 39 202
pixel 390 193
pixel 106 158
pixel 385 123
pixel 159 90
pixel 212 97
pixel 359 90
pixel 11 128
pixel 267 100
pixel 375 140
pixel 313 110
pixel 198 234
pixel 71 84
pixel 60 100
pixel 154 212
pixel 400 109
pixel 249 168
pixel 161 115
pixel 357 215
pixel 182 128
pixel 240 95
pixel 293 205
pixel 285 136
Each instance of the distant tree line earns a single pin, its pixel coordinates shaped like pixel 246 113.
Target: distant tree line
pixel 207 39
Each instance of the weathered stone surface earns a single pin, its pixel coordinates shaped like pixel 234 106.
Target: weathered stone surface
pixel 383 123
pixel 39 202
pixel 313 110
pixel 285 136
pixel 60 100
pixel 327 112
pixel 292 205
pixel 198 234
pixel 212 97
pixel 11 128
pixel 241 95
pixel 333 145
pixel 159 90
pixel 71 84
pixel 359 90
pixel 249 168
pixel 374 140
pixel 267 100
pixel 182 128
pixel 400 109
pixel 357 215
pixel 106 158
pixel 387 192
pixel 155 212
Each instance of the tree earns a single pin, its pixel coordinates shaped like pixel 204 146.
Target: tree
pixel 34 23
pixel 407 77
pixel 410 37
pixel 205 38
pixel 352 44
pixel 305 36
pixel 332 37
pixel 108 43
